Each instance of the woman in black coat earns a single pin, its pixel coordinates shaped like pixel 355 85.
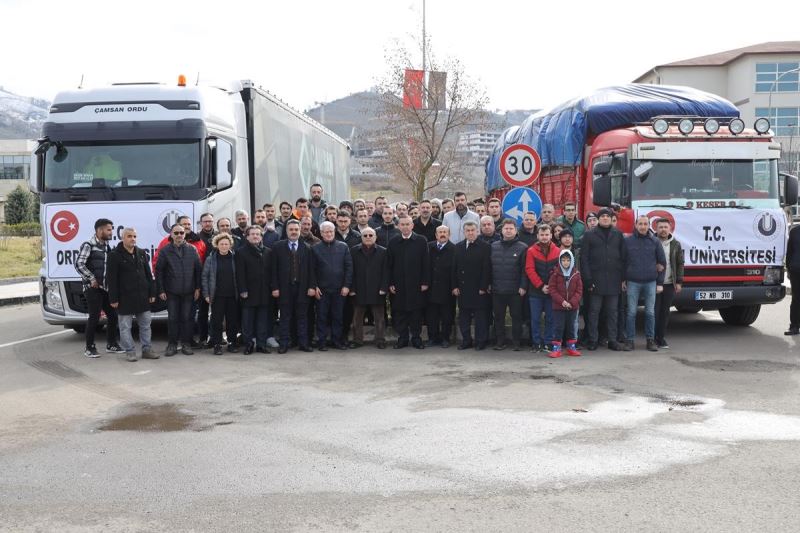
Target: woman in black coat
pixel 219 291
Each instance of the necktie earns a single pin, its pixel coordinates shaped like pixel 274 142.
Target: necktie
pixel 440 245
pixel 294 246
pixel 467 245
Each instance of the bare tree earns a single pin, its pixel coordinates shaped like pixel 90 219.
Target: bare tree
pixel 422 140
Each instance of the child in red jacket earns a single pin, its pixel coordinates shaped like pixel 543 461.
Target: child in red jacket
pixel 566 288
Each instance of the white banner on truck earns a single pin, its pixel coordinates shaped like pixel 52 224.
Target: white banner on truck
pixel 726 237
pixel 69 225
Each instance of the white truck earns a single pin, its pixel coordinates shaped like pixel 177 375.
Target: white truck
pixel 143 154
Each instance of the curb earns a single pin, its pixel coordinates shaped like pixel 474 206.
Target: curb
pixel 18 300
pixel 12 281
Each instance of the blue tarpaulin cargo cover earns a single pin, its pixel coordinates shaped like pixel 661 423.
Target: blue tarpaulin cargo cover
pixel 560 134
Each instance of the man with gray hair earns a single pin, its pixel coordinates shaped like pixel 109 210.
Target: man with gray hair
pixel 333 266
pixel 131 290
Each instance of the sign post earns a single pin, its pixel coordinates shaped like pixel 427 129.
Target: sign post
pixel 520 165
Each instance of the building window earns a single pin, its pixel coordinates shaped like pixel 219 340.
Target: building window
pixel 15 167
pixel 768 73
pixel 785 121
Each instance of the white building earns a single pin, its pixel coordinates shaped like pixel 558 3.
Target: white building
pixel 762 80
pixel 477 145
pixel 15 167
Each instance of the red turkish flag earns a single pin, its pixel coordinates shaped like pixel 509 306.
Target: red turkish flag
pixel 413 87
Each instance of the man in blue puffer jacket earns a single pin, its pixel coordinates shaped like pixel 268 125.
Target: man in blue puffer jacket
pixel 644 274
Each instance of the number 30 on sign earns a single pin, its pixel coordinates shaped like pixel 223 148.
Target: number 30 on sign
pixel 520 165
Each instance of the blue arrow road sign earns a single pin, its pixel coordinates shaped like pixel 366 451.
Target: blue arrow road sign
pixel 520 200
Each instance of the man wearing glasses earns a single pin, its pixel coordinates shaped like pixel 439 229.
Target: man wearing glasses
pixel 370 286
pixel 178 278
pixel 570 220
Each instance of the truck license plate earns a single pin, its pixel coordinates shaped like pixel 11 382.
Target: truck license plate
pixel 713 295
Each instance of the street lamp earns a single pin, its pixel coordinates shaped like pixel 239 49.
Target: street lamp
pixel 772 89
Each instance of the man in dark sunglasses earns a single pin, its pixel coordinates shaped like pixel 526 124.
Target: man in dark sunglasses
pixel 178 278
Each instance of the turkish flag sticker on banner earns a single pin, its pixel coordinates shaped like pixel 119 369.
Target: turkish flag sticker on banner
pixel 413 86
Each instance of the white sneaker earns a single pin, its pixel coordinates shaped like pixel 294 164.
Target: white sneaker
pixel 272 343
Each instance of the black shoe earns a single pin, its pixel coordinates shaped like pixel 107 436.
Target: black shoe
pixel 614 346
pixel 306 348
pixel 602 340
pixel 417 343
pixel 283 349
pixel 355 345
pixel 381 345
pixel 793 330
pixel 500 346
pixel 217 349
pixel 517 347
pixel 651 345
pixel 249 348
pixel 232 348
pixel 263 349
pixel 445 344
pixel 465 346
pixel 322 347
pixel 431 343
pixel 591 346
pixel 186 350
pixel 114 348
pixel 194 344
pixel 480 346
pixel 662 343
pixel 627 346
pixel 340 346
pixel 206 345
pixel 171 350
pixel 400 344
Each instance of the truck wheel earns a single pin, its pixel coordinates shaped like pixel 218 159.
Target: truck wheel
pixel 740 315
pixel 688 310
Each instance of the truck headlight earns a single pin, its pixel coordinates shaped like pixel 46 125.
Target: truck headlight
pixel 761 125
pixel 52 296
pixel 773 275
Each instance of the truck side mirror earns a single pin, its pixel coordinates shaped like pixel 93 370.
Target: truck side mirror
pixel 222 163
pixel 789 189
pixel 601 190
pixel 601 168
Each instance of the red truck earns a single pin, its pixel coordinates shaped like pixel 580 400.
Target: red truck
pixel 680 154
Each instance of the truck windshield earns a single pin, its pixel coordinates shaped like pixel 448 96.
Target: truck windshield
pixel 745 181
pixel 87 165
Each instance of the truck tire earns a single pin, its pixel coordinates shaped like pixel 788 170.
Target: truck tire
pixel 740 315
pixel 688 310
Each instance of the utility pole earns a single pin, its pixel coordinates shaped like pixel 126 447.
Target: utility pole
pixel 423 37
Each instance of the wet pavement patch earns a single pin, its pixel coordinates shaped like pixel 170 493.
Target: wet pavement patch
pixel 674 401
pixel 151 418
pixel 743 365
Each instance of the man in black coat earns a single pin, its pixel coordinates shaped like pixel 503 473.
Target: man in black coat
pixel 441 304
pixel 603 258
pixel 472 275
pixel 293 283
pixel 351 237
pixel 509 284
pixel 409 280
pixel 131 290
pixel 370 287
pixel 254 265
pixel 178 278
pixel 426 225
pixel 333 267
pixel 386 231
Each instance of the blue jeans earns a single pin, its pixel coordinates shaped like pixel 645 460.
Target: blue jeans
pixel 564 325
pixel 648 291
pixel 538 305
pixel 125 326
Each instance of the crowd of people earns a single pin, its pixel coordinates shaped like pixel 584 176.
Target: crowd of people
pixel 312 275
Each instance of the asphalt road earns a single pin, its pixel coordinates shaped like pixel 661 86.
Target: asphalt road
pixel 702 437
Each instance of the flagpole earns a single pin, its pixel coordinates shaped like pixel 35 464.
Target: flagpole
pixel 423 36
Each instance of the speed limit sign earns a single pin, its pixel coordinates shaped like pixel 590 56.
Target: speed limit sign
pixel 520 165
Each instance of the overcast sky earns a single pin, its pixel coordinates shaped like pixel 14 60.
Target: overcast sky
pixel 526 54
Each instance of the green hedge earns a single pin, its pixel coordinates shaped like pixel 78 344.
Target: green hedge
pixel 26 229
